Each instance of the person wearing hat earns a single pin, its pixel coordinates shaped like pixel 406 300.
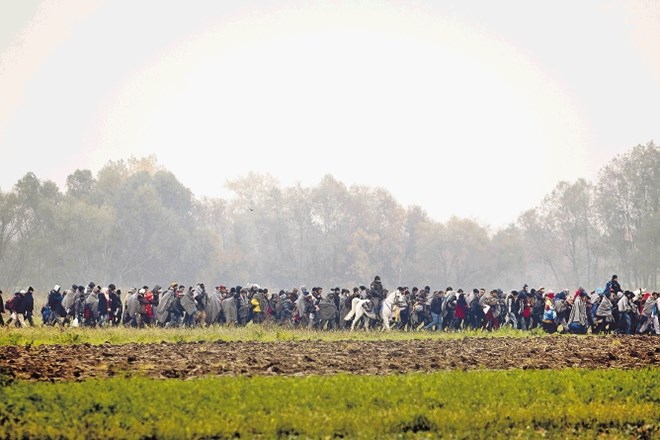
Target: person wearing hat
pixel 376 288
pixel 89 289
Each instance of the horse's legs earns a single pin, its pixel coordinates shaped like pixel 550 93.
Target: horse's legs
pixel 386 323
pixel 356 318
pixel 352 312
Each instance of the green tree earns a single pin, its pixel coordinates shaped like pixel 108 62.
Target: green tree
pixel 628 197
pixel 568 239
pixel 80 184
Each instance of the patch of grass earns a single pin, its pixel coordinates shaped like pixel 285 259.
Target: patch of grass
pixel 252 332
pixel 478 404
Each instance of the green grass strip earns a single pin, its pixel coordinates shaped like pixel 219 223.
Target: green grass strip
pixel 260 333
pixel 478 404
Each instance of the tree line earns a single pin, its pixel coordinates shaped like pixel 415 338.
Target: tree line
pixel 134 223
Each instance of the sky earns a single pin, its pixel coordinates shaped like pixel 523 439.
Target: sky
pixel 468 108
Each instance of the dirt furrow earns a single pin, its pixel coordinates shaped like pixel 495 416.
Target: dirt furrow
pixel 187 360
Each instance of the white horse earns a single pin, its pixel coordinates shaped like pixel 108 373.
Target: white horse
pixel 386 312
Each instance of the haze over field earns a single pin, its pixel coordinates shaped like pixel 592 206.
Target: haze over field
pixel 467 108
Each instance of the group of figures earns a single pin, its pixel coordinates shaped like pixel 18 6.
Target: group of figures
pixel 610 310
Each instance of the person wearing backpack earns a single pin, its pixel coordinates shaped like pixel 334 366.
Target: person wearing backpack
pixel 17 308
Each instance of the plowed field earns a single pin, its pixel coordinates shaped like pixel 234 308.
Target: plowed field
pixel 187 360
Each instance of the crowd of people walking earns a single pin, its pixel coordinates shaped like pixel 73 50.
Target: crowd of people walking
pixel 604 310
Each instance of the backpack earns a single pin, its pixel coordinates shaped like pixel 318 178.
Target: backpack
pixel 9 304
pixel 560 306
pixel 549 315
pixel 45 313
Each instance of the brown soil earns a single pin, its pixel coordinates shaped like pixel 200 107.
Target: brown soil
pixel 186 360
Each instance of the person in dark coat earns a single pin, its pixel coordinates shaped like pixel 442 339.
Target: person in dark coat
pixel 28 299
pixel 143 304
pixel 103 307
pixel 2 310
pixel 57 312
pixel 327 311
pixel 376 287
pixel 613 286
pixel 244 307
pixel 17 309
pixel 115 305
pixel 436 311
pixel 157 292
pixel 176 310
pixel 460 312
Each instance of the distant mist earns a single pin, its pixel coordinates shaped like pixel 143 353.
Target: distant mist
pixel 134 223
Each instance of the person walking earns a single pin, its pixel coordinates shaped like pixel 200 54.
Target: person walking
pixel 436 312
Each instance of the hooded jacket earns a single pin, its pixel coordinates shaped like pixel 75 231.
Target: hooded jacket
pixel 578 312
pixel 229 309
pixel 55 303
pixel 213 308
pixel 93 302
pixel 188 302
pixel 132 305
pixel 163 309
pixel 28 302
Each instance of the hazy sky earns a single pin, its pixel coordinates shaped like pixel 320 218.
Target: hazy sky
pixel 472 108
